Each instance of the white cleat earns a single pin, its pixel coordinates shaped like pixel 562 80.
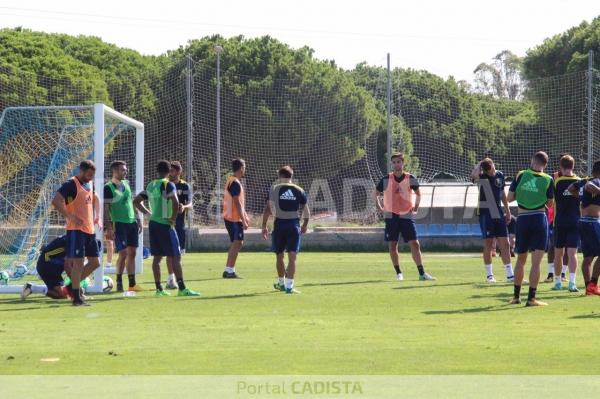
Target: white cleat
pixel 491 279
pixel 399 277
pixel 171 285
pixel 26 291
pixel 510 279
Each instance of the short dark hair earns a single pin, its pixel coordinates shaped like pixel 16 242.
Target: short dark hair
pixel 541 157
pixel 285 172
pixel 87 165
pixel 567 162
pixel 397 155
pixel 115 164
pixel 486 164
pixel 163 167
pixel 176 165
pixel 596 168
pixel 237 164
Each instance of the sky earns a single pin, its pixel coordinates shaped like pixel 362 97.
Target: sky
pixel 448 38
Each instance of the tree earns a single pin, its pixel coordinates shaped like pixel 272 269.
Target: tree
pixel 502 77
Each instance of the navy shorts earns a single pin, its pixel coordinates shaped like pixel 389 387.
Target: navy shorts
pixel 126 235
pixel 589 232
pixel 81 245
pixel 163 240
pixel 491 227
pixel 532 232
pixel 180 229
pixel 396 226
pixel 235 230
pixel 286 236
pixel 50 273
pixel 566 236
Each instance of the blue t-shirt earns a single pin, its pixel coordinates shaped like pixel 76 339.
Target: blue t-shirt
pixel 235 188
pixel 567 205
pixel 494 184
pixel 69 189
pixel 55 251
pixel 286 199
pixel 588 198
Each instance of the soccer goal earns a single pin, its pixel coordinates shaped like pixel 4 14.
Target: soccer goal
pixel 40 148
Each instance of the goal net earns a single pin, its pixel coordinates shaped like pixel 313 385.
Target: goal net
pixel 40 148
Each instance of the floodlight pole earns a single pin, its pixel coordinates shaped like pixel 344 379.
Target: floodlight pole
pixel 218 50
pixel 389 115
pixel 590 112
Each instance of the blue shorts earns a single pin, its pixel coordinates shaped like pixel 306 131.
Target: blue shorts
pixel 126 235
pixel 180 229
pixel 566 236
pixel 532 232
pixel 235 230
pixel 491 227
pixel 589 232
pixel 396 226
pixel 286 236
pixel 50 273
pixel 81 245
pixel 163 240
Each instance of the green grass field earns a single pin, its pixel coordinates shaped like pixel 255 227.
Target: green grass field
pixel 352 317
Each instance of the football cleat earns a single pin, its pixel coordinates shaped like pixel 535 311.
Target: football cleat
pixel 490 279
pixel 26 291
pixel 427 277
pixel 535 302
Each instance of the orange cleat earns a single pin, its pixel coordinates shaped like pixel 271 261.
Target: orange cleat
pixel 592 289
pixel 136 288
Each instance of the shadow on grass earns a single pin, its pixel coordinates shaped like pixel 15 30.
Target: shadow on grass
pixel 233 296
pixel 426 285
pixel 586 316
pixel 490 308
pixel 345 283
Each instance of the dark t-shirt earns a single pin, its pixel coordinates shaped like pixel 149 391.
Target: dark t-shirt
pixel 567 205
pixel 69 189
pixel 235 188
pixel 494 184
pixel 286 199
pixel 588 198
pixel 54 252
pixel 183 194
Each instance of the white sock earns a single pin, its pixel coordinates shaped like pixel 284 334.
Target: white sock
pixel 551 268
pixel 509 270
pixel 572 277
pixel 281 280
pixel 289 283
pixel 564 269
pixel 556 279
pixel 39 289
pixel 172 277
pixel 488 270
pixel 229 269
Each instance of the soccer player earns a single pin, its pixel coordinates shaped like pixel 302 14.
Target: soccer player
pixel 566 217
pixel 589 227
pixel 533 190
pixel 494 216
pixel 287 202
pixel 161 195
pixel 121 223
pixel 76 201
pixel 50 266
pixel 234 214
pixel 401 197
pixel 185 203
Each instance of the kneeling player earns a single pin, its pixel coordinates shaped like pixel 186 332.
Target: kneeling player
pixel 50 267
pixel 286 201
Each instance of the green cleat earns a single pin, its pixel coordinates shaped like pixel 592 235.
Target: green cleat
pixel 161 293
pixel 279 287
pixel 187 292
pixel 557 286
pixel 573 287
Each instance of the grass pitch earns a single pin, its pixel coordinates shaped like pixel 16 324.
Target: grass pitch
pixel 352 317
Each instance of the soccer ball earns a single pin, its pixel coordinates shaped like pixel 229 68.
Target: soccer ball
pixel 4 278
pixel 107 284
pixel 20 271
